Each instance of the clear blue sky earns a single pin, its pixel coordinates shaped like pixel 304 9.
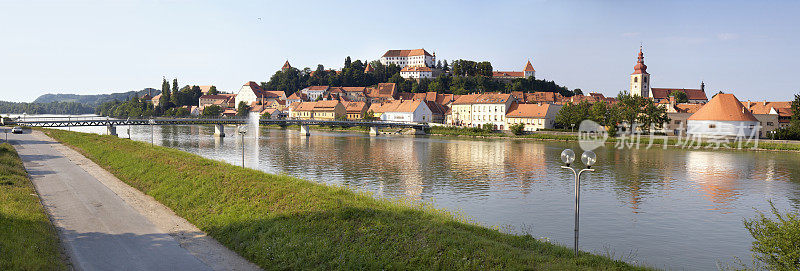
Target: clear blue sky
pixel 87 47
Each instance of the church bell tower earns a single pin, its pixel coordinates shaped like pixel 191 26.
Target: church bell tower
pixel 640 79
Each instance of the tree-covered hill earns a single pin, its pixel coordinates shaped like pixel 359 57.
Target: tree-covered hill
pixel 59 108
pixel 94 100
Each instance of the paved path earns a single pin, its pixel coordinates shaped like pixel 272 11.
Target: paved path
pixel 99 229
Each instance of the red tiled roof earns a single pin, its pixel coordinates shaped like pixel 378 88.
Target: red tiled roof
pixel 406 53
pixel 286 65
pixel 368 68
pixel 691 94
pixel 415 69
pixel 216 97
pixel 528 110
pixel 326 105
pixel 298 96
pixel 395 106
pixel 529 67
pixel 765 107
pixel 723 107
pixel 466 99
pixel 384 90
pixel 508 74
pixel 354 107
pixel 205 89
pixel 323 88
pixel 687 108
pixel 353 89
pixel 640 67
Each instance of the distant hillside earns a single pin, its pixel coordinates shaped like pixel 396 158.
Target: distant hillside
pixel 94 100
pixel 58 108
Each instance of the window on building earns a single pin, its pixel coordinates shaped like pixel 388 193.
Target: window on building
pixel 712 126
pixel 636 79
pixel 769 123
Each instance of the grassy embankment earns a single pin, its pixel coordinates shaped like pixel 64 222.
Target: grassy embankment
pixel 644 140
pixel 280 222
pixel 27 239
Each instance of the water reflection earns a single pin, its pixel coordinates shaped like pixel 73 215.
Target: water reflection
pixel 677 209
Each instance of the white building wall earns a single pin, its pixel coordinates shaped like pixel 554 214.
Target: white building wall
pixel 245 95
pixel 721 128
pixel 490 113
pixel 423 60
pixel 423 113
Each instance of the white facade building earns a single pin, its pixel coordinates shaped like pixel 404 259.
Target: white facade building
pixel 416 72
pixel 415 111
pixel 314 92
pixel 533 117
pixel 415 57
pixel 491 108
pixel 249 93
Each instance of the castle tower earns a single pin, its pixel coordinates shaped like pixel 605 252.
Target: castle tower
pixel 529 71
pixel 640 79
pixel 286 66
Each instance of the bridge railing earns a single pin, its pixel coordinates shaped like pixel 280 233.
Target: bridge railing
pixel 103 121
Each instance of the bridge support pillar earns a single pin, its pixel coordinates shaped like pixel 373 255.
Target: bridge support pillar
pixel 111 129
pixel 374 131
pixel 305 130
pixel 418 131
pixel 219 130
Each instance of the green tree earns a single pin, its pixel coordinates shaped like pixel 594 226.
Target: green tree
pixel 181 112
pixel 175 99
pixel 517 129
pixel 212 111
pixel 796 110
pixel 369 115
pixel 680 96
pixel 347 62
pixel 652 115
pixel 577 91
pixel 599 113
pixel 630 108
pixel 776 241
pixel 213 90
pixel 243 109
pixel 165 99
pixel 484 68
pixel 436 86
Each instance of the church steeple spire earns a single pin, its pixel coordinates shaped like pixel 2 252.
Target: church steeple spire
pixel 640 67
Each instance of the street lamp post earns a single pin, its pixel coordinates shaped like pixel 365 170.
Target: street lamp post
pixel 588 158
pixel 242 131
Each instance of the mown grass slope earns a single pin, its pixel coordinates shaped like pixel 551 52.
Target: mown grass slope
pixel 27 239
pixel 280 222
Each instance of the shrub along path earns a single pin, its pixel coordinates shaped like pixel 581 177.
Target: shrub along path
pixel 280 222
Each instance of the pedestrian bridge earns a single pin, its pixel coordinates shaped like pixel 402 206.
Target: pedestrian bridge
pixel 111 123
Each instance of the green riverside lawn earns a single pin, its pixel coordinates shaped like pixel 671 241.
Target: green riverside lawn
pixel 27 239
pixel 281 222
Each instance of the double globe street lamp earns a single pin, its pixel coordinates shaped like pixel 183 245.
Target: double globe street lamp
pixel 588 158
